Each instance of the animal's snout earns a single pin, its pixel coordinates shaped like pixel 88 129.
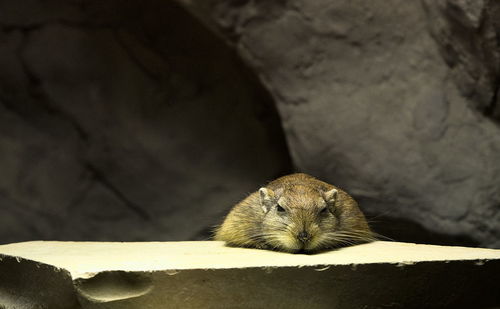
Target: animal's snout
pixel 304 236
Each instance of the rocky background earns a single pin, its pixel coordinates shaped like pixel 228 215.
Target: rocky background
pixel 147 120
pixel 125 122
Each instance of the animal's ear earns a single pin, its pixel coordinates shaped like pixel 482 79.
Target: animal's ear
pixel 267 198
pixel 330 196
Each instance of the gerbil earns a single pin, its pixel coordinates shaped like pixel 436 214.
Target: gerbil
pixel 295 213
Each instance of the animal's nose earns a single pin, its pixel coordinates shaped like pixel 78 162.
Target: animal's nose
pixel 304 236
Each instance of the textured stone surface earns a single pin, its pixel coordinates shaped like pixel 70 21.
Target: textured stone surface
pixel 125 122
pixel 468 35
pixel 207 274
pixel 396 101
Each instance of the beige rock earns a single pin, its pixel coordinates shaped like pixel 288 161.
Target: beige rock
pixel 207 274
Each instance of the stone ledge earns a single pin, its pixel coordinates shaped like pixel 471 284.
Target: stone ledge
pixel 207 274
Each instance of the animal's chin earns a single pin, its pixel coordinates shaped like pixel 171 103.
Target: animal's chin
pixel 289 244
pixel 299 247
pixel 303 250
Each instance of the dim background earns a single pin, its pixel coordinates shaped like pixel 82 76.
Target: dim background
pixel 148 119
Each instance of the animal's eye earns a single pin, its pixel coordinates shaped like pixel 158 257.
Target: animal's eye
pixel 323 211
pixel 280 209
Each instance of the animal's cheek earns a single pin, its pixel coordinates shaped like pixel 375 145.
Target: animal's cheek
pixel 328 223
pixel 291 226
pixel 274 225
pixel 314 229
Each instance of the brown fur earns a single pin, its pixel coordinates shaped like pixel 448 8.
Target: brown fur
pixel 259 222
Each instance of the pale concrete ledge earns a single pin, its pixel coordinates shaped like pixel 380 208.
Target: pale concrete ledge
pixel 207 274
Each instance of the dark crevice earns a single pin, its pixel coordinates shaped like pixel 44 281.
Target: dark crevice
pixel 40 100
pixel 99 177
pixel 494 68
pixel 491 109
pixel 270 117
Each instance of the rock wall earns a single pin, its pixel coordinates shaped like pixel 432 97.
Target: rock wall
pixel 132 121
pixel 125 122
pixel 396 101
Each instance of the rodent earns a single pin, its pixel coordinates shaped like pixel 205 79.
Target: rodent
pixel 295 213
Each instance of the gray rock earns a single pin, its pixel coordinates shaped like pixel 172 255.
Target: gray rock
pixel 136 124
pixel 391 100
pixel 132 121
pixel 467 33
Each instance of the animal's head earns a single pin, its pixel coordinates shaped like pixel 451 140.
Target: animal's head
pixel 303 218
